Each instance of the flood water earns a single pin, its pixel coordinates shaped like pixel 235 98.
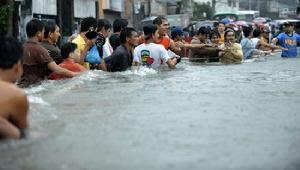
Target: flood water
pixel 200 116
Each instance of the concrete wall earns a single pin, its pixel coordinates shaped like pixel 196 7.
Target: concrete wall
pixel 82 8
pixel 47 7
pixel 158 8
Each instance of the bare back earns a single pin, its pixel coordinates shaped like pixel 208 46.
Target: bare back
pixel 13 110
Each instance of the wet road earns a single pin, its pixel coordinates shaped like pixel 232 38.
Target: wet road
pixel 212 117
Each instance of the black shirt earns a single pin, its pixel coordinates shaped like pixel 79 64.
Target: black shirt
pixel 120 60
pixel 114 41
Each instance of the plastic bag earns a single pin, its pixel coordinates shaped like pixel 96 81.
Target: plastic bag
pixel 93 56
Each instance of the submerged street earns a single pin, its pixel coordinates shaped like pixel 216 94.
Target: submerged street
pixel 200 116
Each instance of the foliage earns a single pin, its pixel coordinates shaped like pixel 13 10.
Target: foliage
pixel 202 11
pixel 4 11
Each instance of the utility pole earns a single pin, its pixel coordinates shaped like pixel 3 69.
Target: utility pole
pixel 298 9
pixel 250 4
pixel 213 4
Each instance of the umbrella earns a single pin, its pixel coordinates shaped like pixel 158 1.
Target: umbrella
pixel 226 21
pixel 241 23
pixel 259 20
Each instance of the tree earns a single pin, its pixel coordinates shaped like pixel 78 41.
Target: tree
pixel 6 13
pixel 202 11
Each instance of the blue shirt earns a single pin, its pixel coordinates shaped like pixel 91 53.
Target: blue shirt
pixel 248 48
pixel 289 42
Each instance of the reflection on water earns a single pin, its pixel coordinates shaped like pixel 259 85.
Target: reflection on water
pixel 200 116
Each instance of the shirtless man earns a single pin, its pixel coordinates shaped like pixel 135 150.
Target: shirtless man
pixel 13 101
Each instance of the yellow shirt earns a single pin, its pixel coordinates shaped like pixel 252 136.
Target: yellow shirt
pixel 80 42
pixel 262 42
pixel 229 58
pixel 222 38
pixel 81 45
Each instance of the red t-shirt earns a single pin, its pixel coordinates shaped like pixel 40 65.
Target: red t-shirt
pixel 69 65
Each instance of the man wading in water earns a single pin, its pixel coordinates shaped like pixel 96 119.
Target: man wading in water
pixel 13 101
pixel 151 54
pixel 232 52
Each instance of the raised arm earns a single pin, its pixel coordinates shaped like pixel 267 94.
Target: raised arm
pixel 174 47
pixel 87 47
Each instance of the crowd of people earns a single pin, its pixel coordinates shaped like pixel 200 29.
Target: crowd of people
pixel 93 47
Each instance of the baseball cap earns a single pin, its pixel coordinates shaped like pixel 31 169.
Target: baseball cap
pixel 149 30
pixel 176 31
pixel 287 23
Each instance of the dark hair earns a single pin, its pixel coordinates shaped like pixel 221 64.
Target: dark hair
pixel 227 31
pixel 247 31
pixel 11 51
pixel 221 22
pixel 119 24
pixel 214 33
pixel 33 26
pixel 103 23
pixel 149 30
pixel 256 33
pixel 288 24
pixel 215 24
pixel 203 30
pixel 87 23
pixel 158 20
pixel 126 33
pixel 50 26
pixel 67 48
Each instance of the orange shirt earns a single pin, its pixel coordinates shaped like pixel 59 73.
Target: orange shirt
pixel 69 65
pixel 165 41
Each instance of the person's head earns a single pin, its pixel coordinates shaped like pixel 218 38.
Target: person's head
pixel 11 52
pixel 203 33
pixel 88 24
pixel 256 33
pixel 151 32
pixel 35 28
pixel 119 24
pixel 266 31
pixel 103 27
pixel 221 27
pixel 214 37
pixel 130 36
pixel 288 27
pixel 177 33
pixel 70 50
pixel 162 25
pixel 51 32
pixel 248 32
pixel 229 36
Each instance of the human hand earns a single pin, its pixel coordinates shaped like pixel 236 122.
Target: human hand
pixel 90 43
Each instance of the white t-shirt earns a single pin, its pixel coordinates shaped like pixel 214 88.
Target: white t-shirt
pixel 152 55
pixel 255 41
pixel 107 49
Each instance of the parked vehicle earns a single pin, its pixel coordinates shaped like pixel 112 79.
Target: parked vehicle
pixel 239 15
pixel 194 26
